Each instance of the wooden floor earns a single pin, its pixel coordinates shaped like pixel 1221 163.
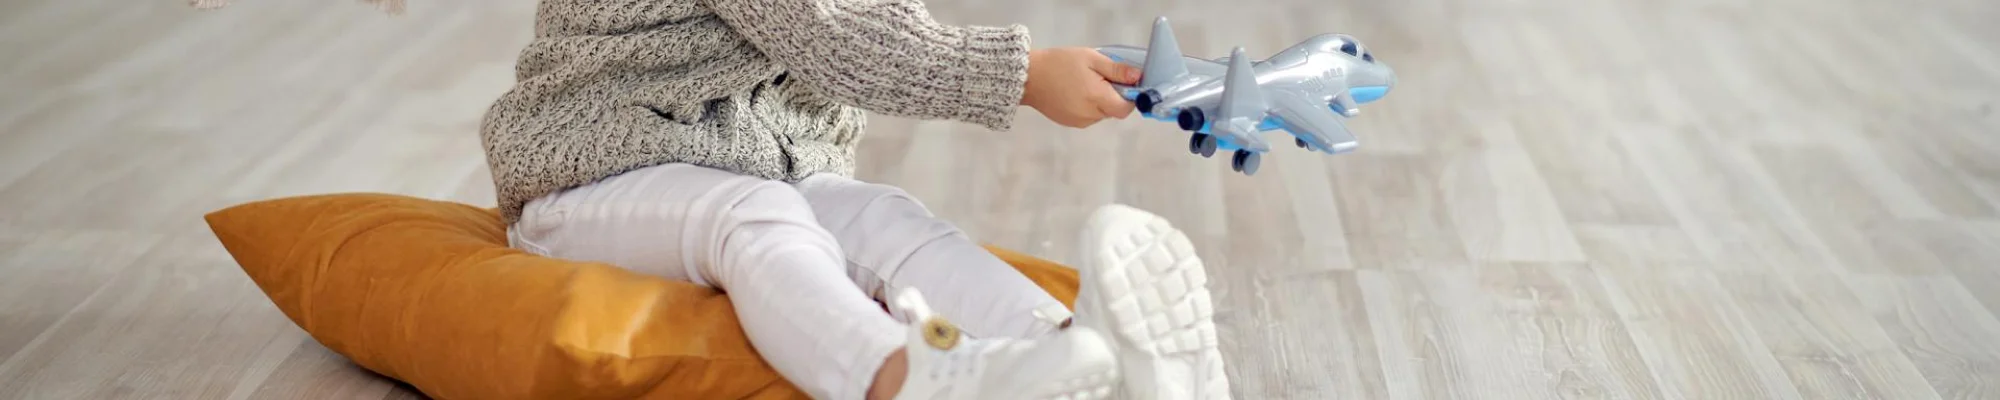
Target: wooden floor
pixel 1688 199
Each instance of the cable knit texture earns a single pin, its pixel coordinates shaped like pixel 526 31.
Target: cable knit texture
pixel 776 89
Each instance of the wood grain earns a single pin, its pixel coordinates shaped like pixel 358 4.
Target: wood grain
pixel 1532 331
pixel 1942 330
pixel 1698 344
pixel 310 370
pixel 173 326
pixel 1586 170
pixel 1340 359
pixel 1968 252
pixel 1396 217
pixel 1500 205
pixel 1715 197
pixel 1823 189
pixel 50 274
pixel 1822 338
pixel 1639 246
pixel 1562 320
pixel 1683 199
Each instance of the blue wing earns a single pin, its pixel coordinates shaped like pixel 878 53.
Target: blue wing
pixel 1312 121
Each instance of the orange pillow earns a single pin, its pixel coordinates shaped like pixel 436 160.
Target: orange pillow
pixel 427 292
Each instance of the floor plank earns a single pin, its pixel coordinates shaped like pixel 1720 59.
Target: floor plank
pixel 1696 341
pixel 1587 172
pixel 1817 331
pixel 1734 221
pixel 1341 360
pixel 196 319
pixel 1965 251
pixel 1823 189
pixel 1500 205
pixel 313 371
pixel 52 274
pixel 1395 215
pixel 1515 331
pixel 1562 199
pixel 1941 328
pixel 1639 247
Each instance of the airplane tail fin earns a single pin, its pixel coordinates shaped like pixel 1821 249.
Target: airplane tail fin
pixel 1163 56
pixel 1241 98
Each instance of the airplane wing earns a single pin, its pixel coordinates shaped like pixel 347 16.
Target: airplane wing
pixel 1244 105
pixel 1312 122
pixel 1136 56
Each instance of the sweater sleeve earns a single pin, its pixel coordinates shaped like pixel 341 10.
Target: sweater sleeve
pixel 889 56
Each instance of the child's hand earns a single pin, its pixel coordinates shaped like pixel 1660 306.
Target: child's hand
pixel 1072 86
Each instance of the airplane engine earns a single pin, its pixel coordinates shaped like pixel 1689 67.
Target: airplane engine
pixel 1191 119
pixel 1147 100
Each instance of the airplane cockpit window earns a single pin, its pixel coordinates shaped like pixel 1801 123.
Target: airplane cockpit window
pixel 1367 56
pixel 1349 47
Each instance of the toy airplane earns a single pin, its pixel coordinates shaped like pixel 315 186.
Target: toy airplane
pixel 1309 90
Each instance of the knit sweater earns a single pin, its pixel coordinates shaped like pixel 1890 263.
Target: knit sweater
pixel 775 89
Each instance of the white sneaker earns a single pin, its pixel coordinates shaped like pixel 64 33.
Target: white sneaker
pixel 1075 364
pixel 1145 288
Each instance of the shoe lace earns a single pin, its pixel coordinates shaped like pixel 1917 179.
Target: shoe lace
pixel 1055 315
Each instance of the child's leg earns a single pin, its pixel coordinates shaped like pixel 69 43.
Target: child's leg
pixel 893 242
pixel 758 241
pixel 739 234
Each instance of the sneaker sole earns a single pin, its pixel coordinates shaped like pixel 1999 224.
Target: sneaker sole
pixel 1152 290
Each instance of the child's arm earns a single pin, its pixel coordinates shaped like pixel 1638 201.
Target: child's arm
pixel 890 57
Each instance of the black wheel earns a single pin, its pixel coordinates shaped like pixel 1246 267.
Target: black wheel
pixel 1246 162
pixel 1191 119
pixel 1147 100
pixel 1203 145
pixel 1301 143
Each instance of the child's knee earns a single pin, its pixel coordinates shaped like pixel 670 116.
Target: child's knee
pixel 765 227
pixel 846 203
pixel 768 193
pixel 768 201
pixel 890 199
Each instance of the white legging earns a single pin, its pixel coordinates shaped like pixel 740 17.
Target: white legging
pixel 803 264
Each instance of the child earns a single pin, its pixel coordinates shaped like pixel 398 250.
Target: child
pixel 710 141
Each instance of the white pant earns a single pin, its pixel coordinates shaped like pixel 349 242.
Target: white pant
pixel 802 264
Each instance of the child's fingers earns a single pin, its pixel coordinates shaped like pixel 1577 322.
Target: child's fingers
pixel 1114 71
pixel 1111 104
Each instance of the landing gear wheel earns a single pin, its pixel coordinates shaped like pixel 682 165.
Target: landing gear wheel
pixel 1301 143
pixel 1191 119
pixel 1202 144
pixel 1246 162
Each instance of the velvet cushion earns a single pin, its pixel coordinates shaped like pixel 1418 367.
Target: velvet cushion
pixel 427 292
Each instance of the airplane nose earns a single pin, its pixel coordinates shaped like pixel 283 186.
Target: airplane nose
pixel 1389 75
